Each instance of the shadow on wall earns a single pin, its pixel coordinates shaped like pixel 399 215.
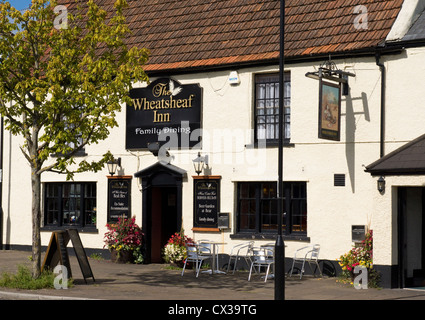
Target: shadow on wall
pixel 350 132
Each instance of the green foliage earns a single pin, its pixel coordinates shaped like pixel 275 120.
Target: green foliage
pixel 62 85
pixel 175 249
pixel 23 280
pixel 125 235
pixel 361 255
pixel 60 88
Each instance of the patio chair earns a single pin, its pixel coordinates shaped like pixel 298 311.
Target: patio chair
pixel 309 254
pixel 196 253
pixel 261 257
pixel 240 251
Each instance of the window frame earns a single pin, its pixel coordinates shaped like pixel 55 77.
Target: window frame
pixel 294 209
pixel 81 198
pixel 275 112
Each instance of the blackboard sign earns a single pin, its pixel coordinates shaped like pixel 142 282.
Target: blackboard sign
pixel 119 198
pixel 81 254
pixel 166 112
pixel 56 252
pixel 206 202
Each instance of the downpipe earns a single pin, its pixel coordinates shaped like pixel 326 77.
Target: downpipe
pixel 383 80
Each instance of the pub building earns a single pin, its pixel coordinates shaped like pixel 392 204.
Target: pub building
pixel 198 147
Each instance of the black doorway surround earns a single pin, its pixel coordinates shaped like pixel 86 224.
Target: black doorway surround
pixel 158 175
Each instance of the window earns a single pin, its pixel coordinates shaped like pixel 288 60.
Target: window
pixel 72 129
pixel 257 207
pixel 267 107
pixel 70 204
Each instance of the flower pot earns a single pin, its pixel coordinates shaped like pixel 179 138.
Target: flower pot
pixel 122 256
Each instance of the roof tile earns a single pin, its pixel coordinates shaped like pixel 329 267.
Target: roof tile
pixel 195 33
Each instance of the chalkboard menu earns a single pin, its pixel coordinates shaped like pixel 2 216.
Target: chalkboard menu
pixel 119 198
pixel 80 253
pixel 57 252
pixel 206 201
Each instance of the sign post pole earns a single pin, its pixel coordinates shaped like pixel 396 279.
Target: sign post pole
pixel 280 246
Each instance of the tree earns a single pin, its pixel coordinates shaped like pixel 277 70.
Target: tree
pixel 65 71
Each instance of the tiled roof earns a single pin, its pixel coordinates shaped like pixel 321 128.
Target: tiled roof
pixel 417 31
pixel 408 159
pixel 184 34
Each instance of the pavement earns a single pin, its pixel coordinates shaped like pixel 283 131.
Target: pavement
pixel 156 282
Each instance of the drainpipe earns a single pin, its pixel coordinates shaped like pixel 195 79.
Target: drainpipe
pixel 383 74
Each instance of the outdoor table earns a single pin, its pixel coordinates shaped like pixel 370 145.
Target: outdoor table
pixel 214 268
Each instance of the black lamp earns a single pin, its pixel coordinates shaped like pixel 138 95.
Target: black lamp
pixel 381 184
pixel 199 163
pixel 113 165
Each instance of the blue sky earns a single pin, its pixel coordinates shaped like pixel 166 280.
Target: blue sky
pixel 20 4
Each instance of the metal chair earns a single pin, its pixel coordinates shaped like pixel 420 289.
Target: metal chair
pixel 196 253
pixel 238 251
pixel 261 257
pixel 309 254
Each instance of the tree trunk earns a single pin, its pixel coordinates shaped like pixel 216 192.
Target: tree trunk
pixel 36 223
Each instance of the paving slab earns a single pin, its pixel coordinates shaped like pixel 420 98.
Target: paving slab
pixel 150 282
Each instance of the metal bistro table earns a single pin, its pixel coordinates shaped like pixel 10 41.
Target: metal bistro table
pixel 214 268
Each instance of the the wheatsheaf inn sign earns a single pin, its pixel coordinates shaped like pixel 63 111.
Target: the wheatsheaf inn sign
pixel 166 112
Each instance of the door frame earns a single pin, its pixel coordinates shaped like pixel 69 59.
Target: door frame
pixel 402 225
pixel 158 175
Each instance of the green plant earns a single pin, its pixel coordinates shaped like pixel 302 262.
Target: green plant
pixel 175 249
pixel 96 256
pixel 23 279
pixel 126 235
pixel 61 87
pixel 361 255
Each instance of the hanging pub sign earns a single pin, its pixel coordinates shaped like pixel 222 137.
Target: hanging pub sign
pixel 329 110
pixel 330 98
pixel 206 201
pixel 166 112
pixel 119 198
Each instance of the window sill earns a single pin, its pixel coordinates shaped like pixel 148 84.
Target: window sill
pixel 80 153
pixel 265 236
pixel 269 144
pixel 80 229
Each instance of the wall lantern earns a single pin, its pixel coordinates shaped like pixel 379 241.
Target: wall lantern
pixel 199 163
pixel 113 165
pixel 381 184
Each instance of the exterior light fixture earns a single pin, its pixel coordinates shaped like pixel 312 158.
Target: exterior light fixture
pixel 199 163
pixel 113 165
pixel 381 184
